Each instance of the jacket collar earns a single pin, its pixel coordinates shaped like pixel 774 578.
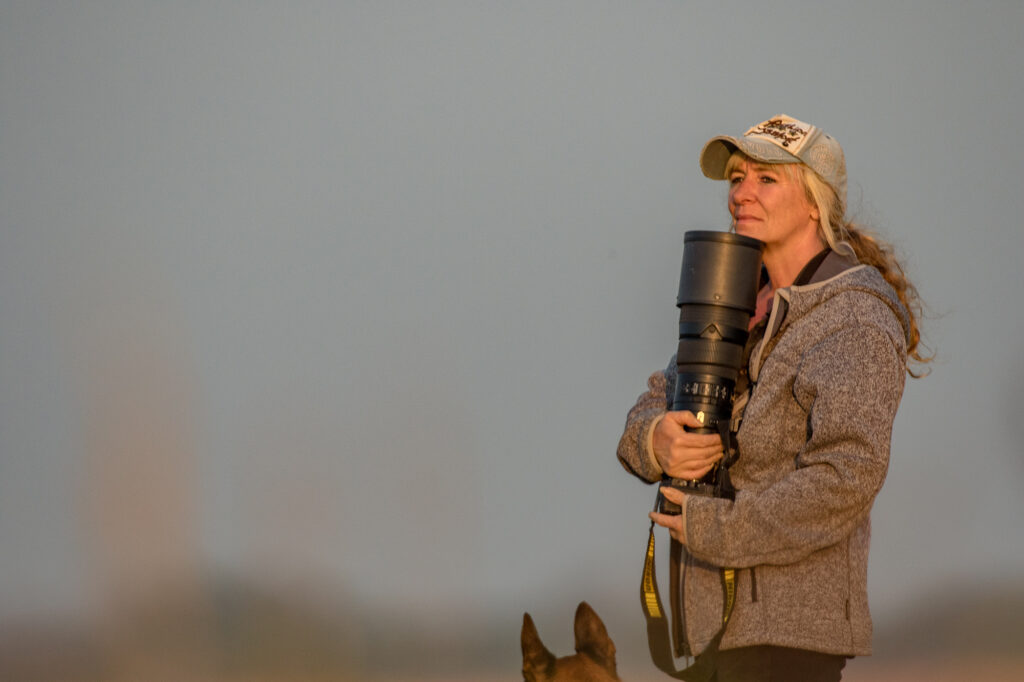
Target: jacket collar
pixel 825 269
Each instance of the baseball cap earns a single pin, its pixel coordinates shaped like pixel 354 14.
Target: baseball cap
pixel 781 139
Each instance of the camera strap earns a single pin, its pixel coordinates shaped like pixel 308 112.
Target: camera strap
pixel 659 641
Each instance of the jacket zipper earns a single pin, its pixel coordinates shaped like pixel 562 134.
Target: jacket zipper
pixel 753 584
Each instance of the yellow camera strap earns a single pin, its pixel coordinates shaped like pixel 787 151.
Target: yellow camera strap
pixel 729 583
pixel 659 640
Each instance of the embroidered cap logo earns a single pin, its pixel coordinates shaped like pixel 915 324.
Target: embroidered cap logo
pixel 788 133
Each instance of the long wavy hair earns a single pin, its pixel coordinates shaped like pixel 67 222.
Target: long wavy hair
pixel 850 238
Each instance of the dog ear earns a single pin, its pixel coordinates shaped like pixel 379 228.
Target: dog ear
pixel 592 639
pixel 537 660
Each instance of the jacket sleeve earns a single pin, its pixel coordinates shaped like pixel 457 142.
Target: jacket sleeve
pixel 634 446
pixel 850 384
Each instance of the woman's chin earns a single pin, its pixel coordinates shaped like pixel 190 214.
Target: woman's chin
pixel 746 229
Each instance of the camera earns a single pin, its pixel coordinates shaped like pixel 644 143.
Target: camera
pixel 717 296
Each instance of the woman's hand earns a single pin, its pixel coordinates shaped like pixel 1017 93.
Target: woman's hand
pixel 681 453
pixel 676 523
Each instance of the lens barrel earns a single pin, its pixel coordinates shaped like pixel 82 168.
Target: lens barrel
pixel 717 296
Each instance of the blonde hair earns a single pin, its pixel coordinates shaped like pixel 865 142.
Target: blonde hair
pixel 849 238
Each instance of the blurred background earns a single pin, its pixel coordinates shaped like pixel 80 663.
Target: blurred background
pixel 319 321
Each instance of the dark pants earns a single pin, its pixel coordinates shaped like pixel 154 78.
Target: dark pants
pixel 777 664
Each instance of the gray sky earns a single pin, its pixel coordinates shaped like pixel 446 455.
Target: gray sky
pixel 359 293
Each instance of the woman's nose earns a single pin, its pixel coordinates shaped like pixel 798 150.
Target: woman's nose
pixel 742 192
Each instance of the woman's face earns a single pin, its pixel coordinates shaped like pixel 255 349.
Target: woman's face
pixel 767 202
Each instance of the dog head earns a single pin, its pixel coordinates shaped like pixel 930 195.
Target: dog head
pixel 594 660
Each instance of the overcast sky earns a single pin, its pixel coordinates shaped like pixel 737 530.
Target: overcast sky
pixel 359 293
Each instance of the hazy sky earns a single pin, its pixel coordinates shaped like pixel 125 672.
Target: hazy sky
pixel 359 293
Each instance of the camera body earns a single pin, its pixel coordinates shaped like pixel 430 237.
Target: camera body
pixel 717 296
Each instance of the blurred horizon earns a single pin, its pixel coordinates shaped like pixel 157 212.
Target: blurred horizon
pixel 230 630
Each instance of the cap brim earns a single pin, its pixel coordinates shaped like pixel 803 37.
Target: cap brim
pixel 715 155
pixel 717 151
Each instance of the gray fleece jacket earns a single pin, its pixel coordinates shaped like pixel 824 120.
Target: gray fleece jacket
pixel 814 439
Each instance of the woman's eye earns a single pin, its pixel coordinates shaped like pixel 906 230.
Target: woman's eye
pixel 767 179
pixel 735 180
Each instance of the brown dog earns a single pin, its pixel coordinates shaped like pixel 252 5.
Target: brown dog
pixel 594 660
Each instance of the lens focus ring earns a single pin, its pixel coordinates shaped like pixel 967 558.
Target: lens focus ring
pixel 700 389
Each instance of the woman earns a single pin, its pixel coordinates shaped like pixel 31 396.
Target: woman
pixel 835 325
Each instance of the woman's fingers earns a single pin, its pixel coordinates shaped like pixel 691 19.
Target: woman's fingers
pixel 672 494
pixel 680 422
pixel 693 468
pixel 674 523
pixel 708 452
pixel 689 419
pixel 689 474
pixel 682 453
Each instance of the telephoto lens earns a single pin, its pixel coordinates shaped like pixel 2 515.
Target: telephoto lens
pixel 717 296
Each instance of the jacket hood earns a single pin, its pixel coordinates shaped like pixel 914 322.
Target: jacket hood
pixel 836 275
pixel 833 278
